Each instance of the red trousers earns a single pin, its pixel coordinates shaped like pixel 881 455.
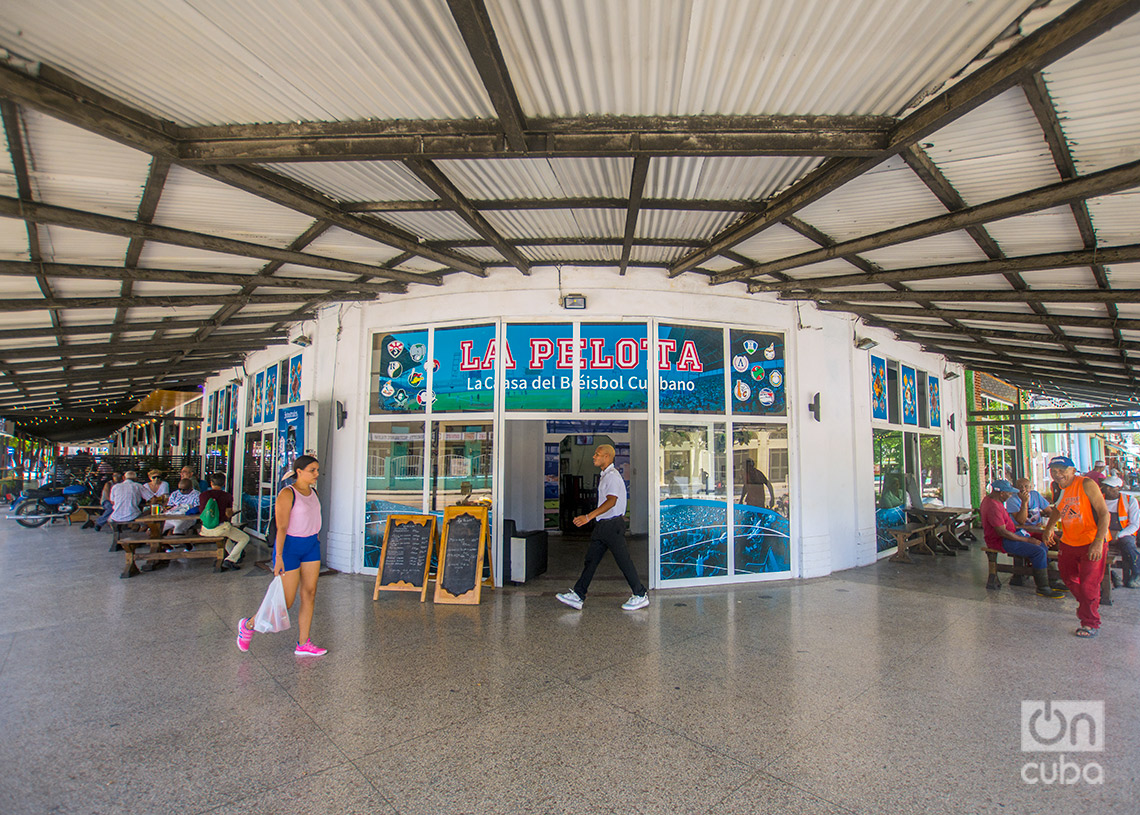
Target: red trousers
pixel 1083 577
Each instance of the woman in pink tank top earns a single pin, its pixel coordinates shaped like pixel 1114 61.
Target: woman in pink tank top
pixel 297 553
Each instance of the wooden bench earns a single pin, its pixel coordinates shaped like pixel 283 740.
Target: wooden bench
pixel 160 550
pixel 1020 567
pixel 908 535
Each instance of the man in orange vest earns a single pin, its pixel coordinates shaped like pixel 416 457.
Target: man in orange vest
pixel 1123 524
pixel 1083 516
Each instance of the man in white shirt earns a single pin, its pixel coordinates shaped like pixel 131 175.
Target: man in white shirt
pixel 1123 522
pixel 126 498
pixel 181 502
pixel 609 533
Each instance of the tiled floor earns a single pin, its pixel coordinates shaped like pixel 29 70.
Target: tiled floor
pixel 888 689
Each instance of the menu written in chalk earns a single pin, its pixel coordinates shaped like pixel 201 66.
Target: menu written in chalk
pixel 405 554
pixel 461 555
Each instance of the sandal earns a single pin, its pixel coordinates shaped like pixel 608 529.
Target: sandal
pixel 1087 633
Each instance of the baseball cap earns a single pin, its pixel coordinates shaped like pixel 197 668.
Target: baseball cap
pixel 1112 481
pixel 1061 461
pixel 1001 485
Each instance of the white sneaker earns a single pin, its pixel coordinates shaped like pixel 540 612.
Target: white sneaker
pixel 571 599
pixel 635 602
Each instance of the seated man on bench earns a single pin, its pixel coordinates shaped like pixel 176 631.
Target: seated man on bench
pixel 1123 523
pixel 237 538
pixel 183 501
pixel 1001 534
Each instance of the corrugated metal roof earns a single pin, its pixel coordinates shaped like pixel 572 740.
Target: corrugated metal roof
pixel 667 57
pixel 13 238
pixel 1080 278
pixel 157 289
pixel 1012 157
pixel 1097 96
pixel 1124 275
pixel 654 254
pixel 682 224
pixel 937 249
pixel 340 243
pixel 1115 218
pixel 483 179
pixel 567 253
pixel 432 226
pixel 358 180
pixel 69 167
pixel 521 224
pixel 991 281
pixel 775 242
pixel 7 173
pixel 63 245
pixel 181 312
pixel 77 287
pixel 192 201
pixel 826 268
pixel 216 62
pixel 1051 230
pixel 20 287
pixel 724 178
pixel 889 195
pixel 168 256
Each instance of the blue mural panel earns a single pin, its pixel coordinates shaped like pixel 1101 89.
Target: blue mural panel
pixel 400 378
pixel 909 385
pixel 464 378
pixel 935 401
pixel 539 366
pixel 690 369
pixel 762 539
pixel 694 538
pixel 757 373
pixel 878 388
pixel 614 370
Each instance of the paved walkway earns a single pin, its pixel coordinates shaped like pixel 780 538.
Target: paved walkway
pixel 888 689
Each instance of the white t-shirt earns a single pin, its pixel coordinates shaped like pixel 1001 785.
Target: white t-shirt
pixel 126 497
pixel 611 483
pixel 163 489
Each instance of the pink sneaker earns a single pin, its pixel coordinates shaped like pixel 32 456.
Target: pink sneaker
pixel 307 649
pixel 245 634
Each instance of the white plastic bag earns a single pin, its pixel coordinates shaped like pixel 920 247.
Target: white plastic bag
pixel 273 616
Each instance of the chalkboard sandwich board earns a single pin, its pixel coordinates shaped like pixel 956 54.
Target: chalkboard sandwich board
pixel 405 554
pixel 462 548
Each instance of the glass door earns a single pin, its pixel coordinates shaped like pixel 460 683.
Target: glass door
pixel 693 501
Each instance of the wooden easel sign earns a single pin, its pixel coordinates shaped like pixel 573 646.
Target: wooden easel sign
pixel 405 555
pixel 462 548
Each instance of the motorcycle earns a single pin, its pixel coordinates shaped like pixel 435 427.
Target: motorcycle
pixel 37 506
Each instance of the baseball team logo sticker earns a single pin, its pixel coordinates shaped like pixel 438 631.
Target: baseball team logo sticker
pixel 387 389
pixel 776 378
pixel 415 378
pixel 417 352
pixel 435 364
pixel 766 397
pixel 395 348
pixel 395 369
pixel 750 347
pixel 758 372
pixel 423 397
pixel 770 351
pixel 401 397
pixel 742 391
pixel 740 363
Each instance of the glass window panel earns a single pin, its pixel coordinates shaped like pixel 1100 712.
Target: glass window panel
pixel 890 488
pixel 757 373
pixel 464 378
pixel 690 369
pixel 461 465
pixel 694 512
pixel 394 480
pixel 539 372
pixel 398 377
pixel 614 369
pixel 930 458
pixel 894 412
pixel 762 536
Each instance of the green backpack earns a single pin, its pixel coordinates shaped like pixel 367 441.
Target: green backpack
pixel 210 515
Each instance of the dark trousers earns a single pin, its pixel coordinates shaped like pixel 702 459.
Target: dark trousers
pixel 609 534
pixel 1035 553
pixel 1126 545
pixel 108 508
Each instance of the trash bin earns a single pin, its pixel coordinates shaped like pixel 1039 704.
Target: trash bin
pixel 524 555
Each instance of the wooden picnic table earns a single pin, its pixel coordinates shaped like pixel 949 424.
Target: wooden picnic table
pixel 944 520
pixel 160 548
pixel 907 536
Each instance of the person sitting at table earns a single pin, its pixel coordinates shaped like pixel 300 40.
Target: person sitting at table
pixel 1027 508
pixel 127 498
pixel 225 502
pixel 105 500
pixel 1001 534
pixel 188 472
pixel 1123 522
pixel 183 501
pixel 156 489
pixel 894 493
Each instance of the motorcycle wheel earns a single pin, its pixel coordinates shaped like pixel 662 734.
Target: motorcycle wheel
pixel 32 508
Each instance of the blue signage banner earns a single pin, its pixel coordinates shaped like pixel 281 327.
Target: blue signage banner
pixel 290 438
pixel 935 402
pixel 690 368
pixel 614 370
pixel 270 407
pixel 258 397
pixel 399 372
pixel 539 366
pixel 294 379
pixel 464 378
pixel 878 388
pixel 757 373
pixel 909 395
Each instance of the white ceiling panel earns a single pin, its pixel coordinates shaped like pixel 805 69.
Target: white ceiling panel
pixel 951 247
pixel 724 177
pixel 358 180
pixel 1051 230
pixel 63 245
pixel 683 224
